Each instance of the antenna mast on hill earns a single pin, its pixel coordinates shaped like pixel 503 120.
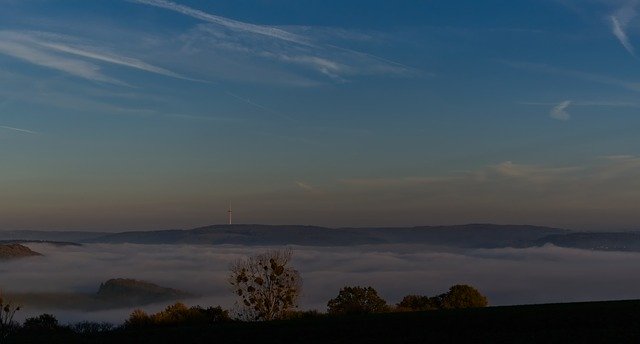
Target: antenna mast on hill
pixel 229 213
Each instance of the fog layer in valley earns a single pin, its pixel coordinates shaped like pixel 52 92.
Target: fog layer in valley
pixel 506 276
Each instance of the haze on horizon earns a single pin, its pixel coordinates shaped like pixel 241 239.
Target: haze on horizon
pixel 151 114
pixel 508 276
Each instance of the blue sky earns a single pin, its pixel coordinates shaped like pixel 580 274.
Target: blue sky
pixel 147 114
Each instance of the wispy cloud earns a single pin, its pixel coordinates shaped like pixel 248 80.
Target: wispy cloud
pixel 619 32
pixel 589 103
pixel 18 129
pixel 396 182
pixel 325 66
pixel 592 77
pixel 12 45
pixel 307 187
pixel 503 171
pixel 530 173
pixel 301 49
pixel 53 50
pixel 228 23
pixel 619 22
pixel 559 111
pixel 110 58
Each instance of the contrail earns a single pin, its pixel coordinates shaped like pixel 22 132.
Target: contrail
pixel 253 28
pixel 256 29
pixel 621 35
pixel 39 48
pixel 18 129
pixel 375 57
pixel 41 57
pixel 119 60
pixel 229 23
pixel 619 22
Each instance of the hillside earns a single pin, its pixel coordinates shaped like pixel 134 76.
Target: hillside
pixel 14 251
pixel 468 236
pixel 587 322
pixel 58 236
pixel 625 241
pixel 459 236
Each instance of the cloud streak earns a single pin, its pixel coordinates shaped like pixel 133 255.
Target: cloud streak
pixel 621 35
pixel 597 194
pixel 613 104
pixel 53 50
pixel 559 111
pixel 307 187
pixel 592 77
pixel 619 22
pixel 113 59
pixel 228 23
pixel 12 45
pixel 331 60
pixel 18 129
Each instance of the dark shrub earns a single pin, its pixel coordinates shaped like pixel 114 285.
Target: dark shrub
pixel 87 327
pixel 462 296
pixel 354 300
pixel 178 314
pixel 418 303
pixel 43 322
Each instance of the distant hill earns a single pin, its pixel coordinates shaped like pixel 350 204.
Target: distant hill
pixel 14 251
pixel 58 236
pixel 459 236
pixel 56 243
pixel 245 235
pixel 466 236
pixel 621 241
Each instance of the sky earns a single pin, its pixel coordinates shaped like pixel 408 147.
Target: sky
pixel 151 114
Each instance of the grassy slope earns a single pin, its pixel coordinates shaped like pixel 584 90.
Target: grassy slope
pixel 597 322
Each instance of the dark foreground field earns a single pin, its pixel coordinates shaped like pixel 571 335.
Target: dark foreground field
pixel 590 322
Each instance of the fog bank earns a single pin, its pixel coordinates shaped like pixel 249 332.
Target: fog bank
pixel 506 276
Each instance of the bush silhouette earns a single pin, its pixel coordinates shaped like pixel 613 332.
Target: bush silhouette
pixel 215 314
pixel 43 322
pixel 462 296
pixel 310 314
pixel 418 303
pixel 357 300
pixel 178 314
pixel 138 318
pixel 90 328
pixel 458 296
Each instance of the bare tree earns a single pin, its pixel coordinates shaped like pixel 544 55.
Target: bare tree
pixel 266 286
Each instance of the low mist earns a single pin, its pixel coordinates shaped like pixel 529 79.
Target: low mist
pixel 507 276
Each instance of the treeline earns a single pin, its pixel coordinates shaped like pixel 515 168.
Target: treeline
pixel 350 300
